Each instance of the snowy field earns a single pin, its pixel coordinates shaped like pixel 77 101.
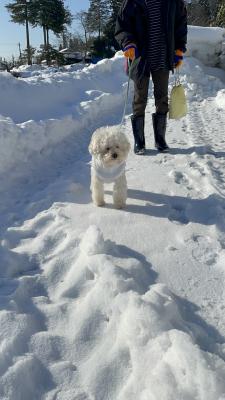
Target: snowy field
pixel 105 304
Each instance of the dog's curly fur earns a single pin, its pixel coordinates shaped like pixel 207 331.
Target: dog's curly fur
pixel 109 148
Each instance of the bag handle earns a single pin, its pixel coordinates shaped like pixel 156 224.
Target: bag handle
pixel 177 77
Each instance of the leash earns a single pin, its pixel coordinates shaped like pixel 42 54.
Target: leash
pixel 130 65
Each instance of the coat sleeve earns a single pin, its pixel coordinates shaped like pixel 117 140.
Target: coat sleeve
pixel 181 26
pixel 125 24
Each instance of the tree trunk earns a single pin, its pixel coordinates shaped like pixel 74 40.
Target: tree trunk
pixel 47 32
pixel 99 25
pixel 86 43
pixel 29 60
pixel 45 38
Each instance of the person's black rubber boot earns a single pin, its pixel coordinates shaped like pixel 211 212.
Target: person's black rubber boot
pixel 159 127
pixel 138 124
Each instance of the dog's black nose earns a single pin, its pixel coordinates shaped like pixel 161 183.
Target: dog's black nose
pixel 114 155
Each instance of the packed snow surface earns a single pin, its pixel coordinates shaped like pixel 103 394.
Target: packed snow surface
pixel 99 303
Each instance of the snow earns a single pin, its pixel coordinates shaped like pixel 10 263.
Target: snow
pixel 26 71
pixel 220 99
pixel 207 44
pixel 99 303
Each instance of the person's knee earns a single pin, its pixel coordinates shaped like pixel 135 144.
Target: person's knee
pixel 139 108
pixel 137 111
pixel 162 106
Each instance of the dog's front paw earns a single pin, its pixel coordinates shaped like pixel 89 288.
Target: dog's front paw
pixel 119 205
pixel 99 203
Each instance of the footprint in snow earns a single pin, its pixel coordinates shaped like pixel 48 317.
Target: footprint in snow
pixel 197 168
pixel 177 215
pixel 205 249
pixel 180 178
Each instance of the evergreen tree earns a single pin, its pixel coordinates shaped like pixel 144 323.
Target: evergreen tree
pixel 115 6
pixel 213 8
pixel 97 16
pixel 21 12
pixel 101 48
pixel 51 15
pixel 110 27
pixel 49 53
pixel 199 12
pixel 220 18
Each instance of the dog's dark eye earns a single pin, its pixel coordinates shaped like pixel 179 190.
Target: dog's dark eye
pixel 107 148
pixel 117 147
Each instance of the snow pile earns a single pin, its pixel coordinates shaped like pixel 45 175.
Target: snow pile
pixel 207 44
pixel 60 93
pixel 97 326
pixel 66 104
pixel 19 143
pixel 27 71
pixel 55 107
pixel 220 99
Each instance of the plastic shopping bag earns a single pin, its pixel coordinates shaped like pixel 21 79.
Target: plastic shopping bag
pixel 178 102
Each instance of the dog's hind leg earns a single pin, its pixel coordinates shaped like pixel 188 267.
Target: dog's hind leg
pixel 120 192
pixel 97 189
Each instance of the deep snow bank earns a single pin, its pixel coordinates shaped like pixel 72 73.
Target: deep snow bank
pixel 55 106
pixel 207 44
pixel 56 94
pixel 28 71
pixel 67 104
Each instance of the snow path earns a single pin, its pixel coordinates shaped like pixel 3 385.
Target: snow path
pixel 106 304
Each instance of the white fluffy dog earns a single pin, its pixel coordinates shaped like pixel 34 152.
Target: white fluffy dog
pixel 109 148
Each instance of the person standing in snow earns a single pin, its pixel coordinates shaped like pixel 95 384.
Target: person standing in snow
pixel 153 35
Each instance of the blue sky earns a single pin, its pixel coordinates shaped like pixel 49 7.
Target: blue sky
pixel 12 34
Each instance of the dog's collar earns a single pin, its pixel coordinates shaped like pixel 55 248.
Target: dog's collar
pixel 108 175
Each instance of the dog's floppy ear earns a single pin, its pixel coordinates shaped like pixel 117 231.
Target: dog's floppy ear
pixel 92 144
pixel 91 148
pixel 95 143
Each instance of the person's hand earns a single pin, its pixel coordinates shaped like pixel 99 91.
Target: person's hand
pixel 130 51
pixel 178 58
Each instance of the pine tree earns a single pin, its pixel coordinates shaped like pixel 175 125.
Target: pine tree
pixel 220 18
pixel 98 15
pixel 110 27
pixel 199 12
pixel 51 15
pixel 213 8
pixel 21 12
pixel 115 6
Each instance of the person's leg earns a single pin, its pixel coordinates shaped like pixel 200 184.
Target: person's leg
pixel 140 96
pixel 160 80
pixel 138 118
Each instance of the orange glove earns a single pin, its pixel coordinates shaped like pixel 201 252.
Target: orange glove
pixel 130 51
pixel 178 58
